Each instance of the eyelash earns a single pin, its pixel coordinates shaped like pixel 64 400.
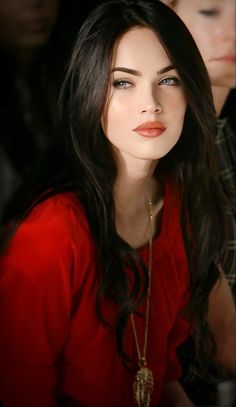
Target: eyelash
pixel 209 12
pixel 175 81
pixel 124 84
pixel 119 82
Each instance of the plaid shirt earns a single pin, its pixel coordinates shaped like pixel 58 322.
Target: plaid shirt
pixel 225 143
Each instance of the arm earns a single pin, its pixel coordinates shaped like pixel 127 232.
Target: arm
pixel 35 306
pixel 174 396
pixel 34 315
pixel 222 322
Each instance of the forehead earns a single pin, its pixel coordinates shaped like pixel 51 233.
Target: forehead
pixel 12 5
pixel 202 3
pixel 139 46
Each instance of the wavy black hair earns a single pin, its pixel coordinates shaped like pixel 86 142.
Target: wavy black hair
pixel 190 164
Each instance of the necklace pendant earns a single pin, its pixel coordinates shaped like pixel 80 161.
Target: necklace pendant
pixel 143 387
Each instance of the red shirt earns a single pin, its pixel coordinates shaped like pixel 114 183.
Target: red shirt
pixel 47 347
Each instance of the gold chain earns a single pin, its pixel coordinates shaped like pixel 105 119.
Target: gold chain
pixel 143 384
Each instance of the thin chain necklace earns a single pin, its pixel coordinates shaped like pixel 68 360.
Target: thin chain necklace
pixel 143 383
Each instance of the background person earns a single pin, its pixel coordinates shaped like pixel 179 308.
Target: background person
pixel 212 24
pixel 36 37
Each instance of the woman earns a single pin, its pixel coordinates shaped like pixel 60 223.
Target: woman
pixel 109 272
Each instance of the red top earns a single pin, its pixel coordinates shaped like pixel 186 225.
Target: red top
pixel 48 349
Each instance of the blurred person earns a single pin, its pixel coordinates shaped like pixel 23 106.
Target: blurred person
pixel 212 25
pixel 27 95
pixel 26 25
pixel 35 39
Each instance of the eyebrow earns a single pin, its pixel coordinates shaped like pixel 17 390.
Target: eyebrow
pixel 127 70
pixel 138 73
pixel 166 69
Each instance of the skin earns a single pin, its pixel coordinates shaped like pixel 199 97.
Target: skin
pixel 26 25
pixel 212 25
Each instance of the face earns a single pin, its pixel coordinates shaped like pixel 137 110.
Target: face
pixel 146 103
pixel 27 23
pixel 212 24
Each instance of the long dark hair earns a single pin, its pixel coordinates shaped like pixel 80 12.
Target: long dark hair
pixel 190 163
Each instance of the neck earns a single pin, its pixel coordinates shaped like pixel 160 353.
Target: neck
pixel 132 186
pixel 135 182
pixel 130 197
pixel 131 202
pixel 220 95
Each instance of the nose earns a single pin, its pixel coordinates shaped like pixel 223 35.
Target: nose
pixel 35 4
pixel 152 109
pixel 150 100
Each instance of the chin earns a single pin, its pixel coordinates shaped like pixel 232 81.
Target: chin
pixel 226 81
pixel 35 41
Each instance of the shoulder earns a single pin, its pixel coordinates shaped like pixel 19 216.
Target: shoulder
pixel 50 240
pixel 225 132
pixel 56 217
pixel 225 141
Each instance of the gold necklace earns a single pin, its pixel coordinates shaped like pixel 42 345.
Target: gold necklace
pixel 143 383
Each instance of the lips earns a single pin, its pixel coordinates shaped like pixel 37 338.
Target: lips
pixel 35 25
pixel 150 129
pixel 227 58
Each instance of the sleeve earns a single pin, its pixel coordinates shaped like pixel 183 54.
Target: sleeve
pixel 35 305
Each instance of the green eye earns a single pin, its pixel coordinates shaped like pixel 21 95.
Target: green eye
pixel 170 81
pixel 121 84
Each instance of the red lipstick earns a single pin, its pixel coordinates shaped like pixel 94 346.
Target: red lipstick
pixel 150 129
pixel 227 58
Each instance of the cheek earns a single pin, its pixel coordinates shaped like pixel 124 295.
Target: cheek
pixel 174 103
pixel 119 112
pixel 12 33
pixel 176 116
pixel 204 43
pixel 221 75
pixel 51 10
pixel 112 121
